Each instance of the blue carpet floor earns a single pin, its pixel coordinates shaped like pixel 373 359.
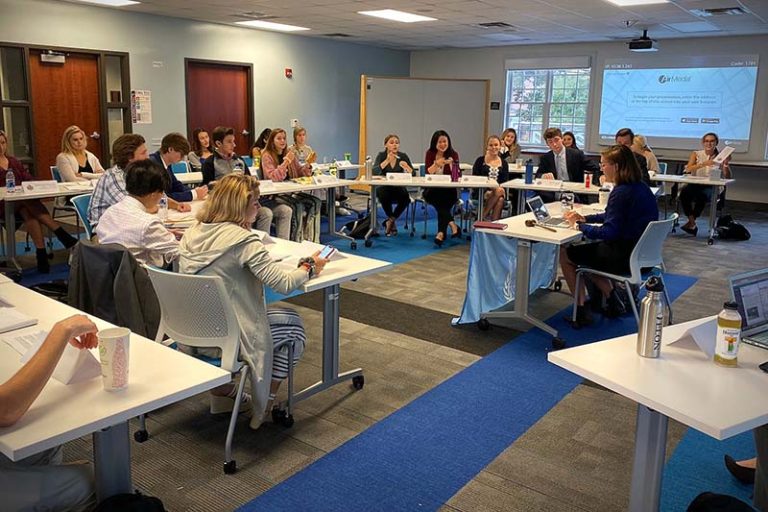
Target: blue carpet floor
pixel 420 456
pixel 697 466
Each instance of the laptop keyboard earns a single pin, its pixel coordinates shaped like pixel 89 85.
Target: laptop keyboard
pixel 556 222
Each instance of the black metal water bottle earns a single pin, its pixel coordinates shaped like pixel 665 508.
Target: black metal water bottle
pixel 652 319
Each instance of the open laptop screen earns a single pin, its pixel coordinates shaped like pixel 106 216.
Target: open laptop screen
pixel 750 291
pixel 536 204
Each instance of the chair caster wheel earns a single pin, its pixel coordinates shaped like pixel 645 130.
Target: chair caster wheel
pixel 358 382
pixel 711 241
pixel 353 246
pixel 558 343
pixel 483 324
pixel 230 467
pixel 368 243
pixel 140 436
pixel 423 237
pixel 558 285
pixel 282 417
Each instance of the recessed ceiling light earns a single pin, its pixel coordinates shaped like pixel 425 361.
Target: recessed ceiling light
pixel 269 25
pixel 391 14
pixel 111 3
pixel 629 3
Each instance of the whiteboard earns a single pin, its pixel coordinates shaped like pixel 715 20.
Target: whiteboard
pixel 413 108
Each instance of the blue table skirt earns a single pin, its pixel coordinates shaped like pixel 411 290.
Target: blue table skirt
pixel 492 271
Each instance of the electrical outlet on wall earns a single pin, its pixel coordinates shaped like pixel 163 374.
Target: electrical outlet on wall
pixel 294 123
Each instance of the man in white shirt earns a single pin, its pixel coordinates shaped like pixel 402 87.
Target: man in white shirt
pixel 133 221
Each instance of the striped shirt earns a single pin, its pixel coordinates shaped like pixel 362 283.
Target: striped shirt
pixel 109 190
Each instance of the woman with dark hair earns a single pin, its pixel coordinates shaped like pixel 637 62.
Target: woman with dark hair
pixel 493 166
pixel 260 143
pixel 201 149
pixel 693 198
pixel 510 149
pixel 439 159
pixel 631 207
pixel 392 160
pixel 569 140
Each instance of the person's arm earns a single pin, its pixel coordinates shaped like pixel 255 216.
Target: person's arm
pixel 514 153
pixel 194 161
pixel 726 167
pixel 158 238
pixel 270 169
pixel 432 166
pixel 546 165
pixel 611 220
pixel 95 163
pixel 653 162
pixel 479 168
pixel 18 393
pixel 178 191
pixel 407 161
pixel 379 169
pixel 296 170
pixel 66 171
pixel 504 172
pixel 209 173
pixel 255 256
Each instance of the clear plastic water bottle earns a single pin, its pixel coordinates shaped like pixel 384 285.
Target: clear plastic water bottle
pixel 239 167
pixel 10 182
pixel 162 211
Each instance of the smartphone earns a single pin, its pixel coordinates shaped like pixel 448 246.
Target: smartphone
pixel 327 252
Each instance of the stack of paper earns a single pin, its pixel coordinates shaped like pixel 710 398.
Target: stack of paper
pixel 12 319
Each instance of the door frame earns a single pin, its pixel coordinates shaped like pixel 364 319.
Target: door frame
pixel 249 70
pixel 104 104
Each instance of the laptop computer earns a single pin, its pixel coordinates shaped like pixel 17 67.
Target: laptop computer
pixel 539 209
pixel 750 291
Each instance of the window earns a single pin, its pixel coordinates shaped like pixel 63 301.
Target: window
pixel 542 98
pixel 14 103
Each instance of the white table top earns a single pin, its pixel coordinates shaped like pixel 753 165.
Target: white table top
pixel 516 227
pixel 687 178
pixel 190 178
pixel 551 186
pixel 424 182
pixel 64 189
pixel 158 376
pixel 683 383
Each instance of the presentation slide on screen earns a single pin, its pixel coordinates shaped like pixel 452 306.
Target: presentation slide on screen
pixel 674 102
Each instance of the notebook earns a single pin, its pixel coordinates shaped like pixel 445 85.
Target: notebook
pixel 12 319
pixel 539 209
pixel 750 291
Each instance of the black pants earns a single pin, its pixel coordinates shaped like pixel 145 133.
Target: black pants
pixel 443 199
pixel 388 196
pixel 761 478
pixel 694 198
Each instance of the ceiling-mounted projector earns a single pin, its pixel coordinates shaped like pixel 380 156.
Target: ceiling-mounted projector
pixel 643 44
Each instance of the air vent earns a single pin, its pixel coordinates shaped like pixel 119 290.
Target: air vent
pixel 720 11
pixel 337 34
pixel 498 24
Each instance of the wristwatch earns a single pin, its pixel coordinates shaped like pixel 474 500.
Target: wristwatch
pixel 309 264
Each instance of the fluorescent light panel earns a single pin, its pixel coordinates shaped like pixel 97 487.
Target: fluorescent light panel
pixel 269 25
pixel 393 15
pixel 110 3
pixel 630 3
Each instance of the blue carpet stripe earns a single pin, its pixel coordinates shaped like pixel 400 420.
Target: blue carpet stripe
pixel 421 455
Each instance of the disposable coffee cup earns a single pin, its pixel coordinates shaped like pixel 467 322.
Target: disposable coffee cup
pixel 519 163
pixel 587 179
pixel 715 173
pixel 114 348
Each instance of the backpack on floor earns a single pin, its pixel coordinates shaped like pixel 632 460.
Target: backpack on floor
pixel 358 228
pixel 729 229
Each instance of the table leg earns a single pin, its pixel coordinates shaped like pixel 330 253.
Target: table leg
pixel 650 447
pixel 112 461
pixel 10 232
pixel 520 201
pixel 374 222
pixel 331 375
pixel 712 214
pixel 522 285
pixel 330 199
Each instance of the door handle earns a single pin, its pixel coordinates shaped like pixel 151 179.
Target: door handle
pixel 95 135
pixel 245 133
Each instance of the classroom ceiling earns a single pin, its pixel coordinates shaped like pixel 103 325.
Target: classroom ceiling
pixel 460 22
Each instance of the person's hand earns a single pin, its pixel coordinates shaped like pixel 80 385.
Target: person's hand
pixel 573 217
pixel 405 167
pixel 278 174
pixel 547 176
pixel 319 262
pixel 312 158
pixel 81 331
pixel 183 207
pixel 602 179
pixel 440 162
pixel 290 156
pixel 201 192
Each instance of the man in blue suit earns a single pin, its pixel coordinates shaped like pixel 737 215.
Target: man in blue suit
pixel 173 147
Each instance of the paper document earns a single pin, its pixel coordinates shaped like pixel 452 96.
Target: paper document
pixel 722 155
pixel 74 366
pixel 12 319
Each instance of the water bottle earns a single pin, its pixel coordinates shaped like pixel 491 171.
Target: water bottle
pixel 10 182
pixel 257 162
pixel 455 171
pixel 728 335
pixel 368 167
pixel 162 211
pixel 652 319
pixel 529 172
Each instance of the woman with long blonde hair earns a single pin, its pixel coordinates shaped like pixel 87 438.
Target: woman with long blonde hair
pixel 75 159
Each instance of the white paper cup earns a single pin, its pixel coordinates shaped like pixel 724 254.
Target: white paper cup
pixel 519 163
pixel 114 348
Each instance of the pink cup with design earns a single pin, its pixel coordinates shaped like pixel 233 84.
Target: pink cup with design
pixel 114 348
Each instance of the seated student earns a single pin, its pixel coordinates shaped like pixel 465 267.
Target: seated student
pixel 43 481
pixel 173 147
pixel 303 151
pixel 74 159
pixel 510 149
pixel 110 188
pixel 260 143
pixel 33 212
pixel 439 159
pixel 564 163
pixel 492 165
pixel 640 146
pixel 225 161
pixel 569 140
pixel 392 160
pixel 694 198
pixel 278 163
pixel 133 221
pixel 626 137
pixel 631 206
pixel 201 149
pixel 222 244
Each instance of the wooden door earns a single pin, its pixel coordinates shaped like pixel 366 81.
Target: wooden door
pixel 221 94
pixel 63 95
